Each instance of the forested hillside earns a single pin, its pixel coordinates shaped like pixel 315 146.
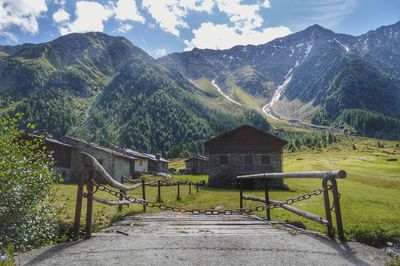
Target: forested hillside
pixel 104 89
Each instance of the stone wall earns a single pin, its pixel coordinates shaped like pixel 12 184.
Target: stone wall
pixel 76 165
pixel 121 167
pixel 106 159
pixel 197 166
pixel 141 165
pixel 224 175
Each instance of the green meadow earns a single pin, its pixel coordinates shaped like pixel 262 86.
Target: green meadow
pixel 370 194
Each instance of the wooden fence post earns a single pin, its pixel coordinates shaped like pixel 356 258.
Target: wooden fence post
pixel 158 191
pixel 241 194
pixel 197 186
pixel 144 194
pixel 327 206
pixel 122 193
pixel 338 213
pixel 267 209
pixel 89 210
pixel 179 191
pixel 78 208
pixel 190 187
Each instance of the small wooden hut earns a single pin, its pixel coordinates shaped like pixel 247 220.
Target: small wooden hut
pixel 197 164
pixel 244 150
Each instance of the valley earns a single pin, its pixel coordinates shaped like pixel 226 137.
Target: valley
pixel 218 132
pixel 104 89
pixel 314 77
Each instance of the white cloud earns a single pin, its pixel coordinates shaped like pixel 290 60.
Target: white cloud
pixel 22 14
pixel 127 10
pixel 125 28
pixel 85 20
pixel 11 38
pixel 170 14
pixel 266 4
pixel 221 36
pixel 241 15
pixel 61 16
pixel 161 52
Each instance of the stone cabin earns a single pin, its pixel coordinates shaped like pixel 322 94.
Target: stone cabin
pixel 244 150
pixel 116 163
pixel 67 162
pixel 147 163
pixel 197 164
pixel 157 164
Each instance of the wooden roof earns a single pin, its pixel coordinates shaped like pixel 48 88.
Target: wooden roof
pixel 98 147
pixel 244 139
pixel 49 140
pixel 197 157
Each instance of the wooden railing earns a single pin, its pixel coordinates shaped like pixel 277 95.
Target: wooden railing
pixel 326 176
pixel 93 168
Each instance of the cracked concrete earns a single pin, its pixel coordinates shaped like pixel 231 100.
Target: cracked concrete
pixel 181 239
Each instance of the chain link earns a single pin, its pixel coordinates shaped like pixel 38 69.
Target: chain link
pixel 165 207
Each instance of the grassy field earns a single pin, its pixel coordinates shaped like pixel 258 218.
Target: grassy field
pixel 370 194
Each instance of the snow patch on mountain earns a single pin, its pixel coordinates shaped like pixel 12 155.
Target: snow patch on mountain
pixel 267 109
pixel 344 46
pixel 223 94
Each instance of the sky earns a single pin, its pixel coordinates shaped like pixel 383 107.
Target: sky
pixel 161 27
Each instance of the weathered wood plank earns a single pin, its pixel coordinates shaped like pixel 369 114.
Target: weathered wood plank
pixel 91 162
pixel 310 174
pixel 112 202
pixel 305 214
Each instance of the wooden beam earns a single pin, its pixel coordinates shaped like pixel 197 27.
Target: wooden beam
pixel 112 202
pixel 91 162
pixel 305 214
pixel 310 174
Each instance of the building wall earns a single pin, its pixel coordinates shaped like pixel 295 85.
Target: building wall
pixel 122 167
pixel 224 175
pixel 162 167
pixel 61 154
pixel 197 166
pixel 76 165
pixel 202 167
pixel 67 161
pixel 190 165
pixel 152 166
pixel 106 159
pixel 141 165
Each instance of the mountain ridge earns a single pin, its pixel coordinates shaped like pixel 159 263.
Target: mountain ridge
pixel 304 74
pixel 104 89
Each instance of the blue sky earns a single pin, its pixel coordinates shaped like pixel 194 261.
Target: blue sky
pixel 164 26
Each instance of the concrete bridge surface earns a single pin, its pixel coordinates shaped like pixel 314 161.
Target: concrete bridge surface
pixel 181 239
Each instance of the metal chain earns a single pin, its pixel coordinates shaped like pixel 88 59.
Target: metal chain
pixel 165 207
pixel 332 209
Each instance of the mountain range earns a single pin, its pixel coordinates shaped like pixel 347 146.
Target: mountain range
pixel 104 89
pixel 312 76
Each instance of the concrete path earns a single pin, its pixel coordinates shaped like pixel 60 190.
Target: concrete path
pixel 181 239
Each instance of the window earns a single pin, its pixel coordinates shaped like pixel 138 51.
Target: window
pixel 248 159
pixel 265 159
pixel 140 162
pixel 223 159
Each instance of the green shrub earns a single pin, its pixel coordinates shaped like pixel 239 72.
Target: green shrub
pixel 27 213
